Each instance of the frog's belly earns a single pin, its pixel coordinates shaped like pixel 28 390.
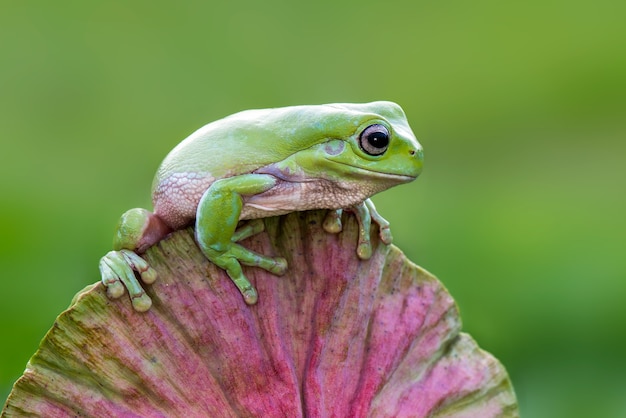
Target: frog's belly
pixel 288 197
pixel 176 199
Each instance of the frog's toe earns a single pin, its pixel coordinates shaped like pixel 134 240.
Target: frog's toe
pixel 115 290
pixel 385 234
pixel 364 250
pixel 141 303
pixel 332 221
pixel 110 279
pixel 250 296
pixel 147 273
pixel 280 266
pixel 275 265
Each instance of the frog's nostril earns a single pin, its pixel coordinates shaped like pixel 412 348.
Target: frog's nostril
pixel 412 152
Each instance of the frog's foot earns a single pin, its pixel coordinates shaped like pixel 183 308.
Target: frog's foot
pixel 365 213
pixel 236 255
pixel 117 269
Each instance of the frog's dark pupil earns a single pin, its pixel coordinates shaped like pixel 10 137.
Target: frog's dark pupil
pixel 378 139
pixel 374 140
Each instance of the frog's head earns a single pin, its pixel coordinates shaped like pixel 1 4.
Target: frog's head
pixel 369 142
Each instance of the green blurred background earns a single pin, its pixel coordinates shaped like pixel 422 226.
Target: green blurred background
pixel 520 106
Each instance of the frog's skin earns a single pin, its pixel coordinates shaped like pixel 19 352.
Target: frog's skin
pixel 260 163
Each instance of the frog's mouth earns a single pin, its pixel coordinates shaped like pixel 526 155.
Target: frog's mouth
pixel 360 173
pixel 356 173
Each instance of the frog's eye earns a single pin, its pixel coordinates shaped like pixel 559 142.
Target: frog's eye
pixel 374 139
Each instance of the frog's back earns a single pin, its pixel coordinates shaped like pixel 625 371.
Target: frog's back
pixel 242 143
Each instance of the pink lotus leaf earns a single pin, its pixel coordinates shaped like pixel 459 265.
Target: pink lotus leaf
pixel 334 337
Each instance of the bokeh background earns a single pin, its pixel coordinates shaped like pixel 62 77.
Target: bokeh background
pixel 520 106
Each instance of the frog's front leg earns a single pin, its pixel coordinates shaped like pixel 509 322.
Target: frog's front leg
pixel 365 213
pixel 216 220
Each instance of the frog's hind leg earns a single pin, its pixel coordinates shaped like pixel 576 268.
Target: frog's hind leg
pixel 137 230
